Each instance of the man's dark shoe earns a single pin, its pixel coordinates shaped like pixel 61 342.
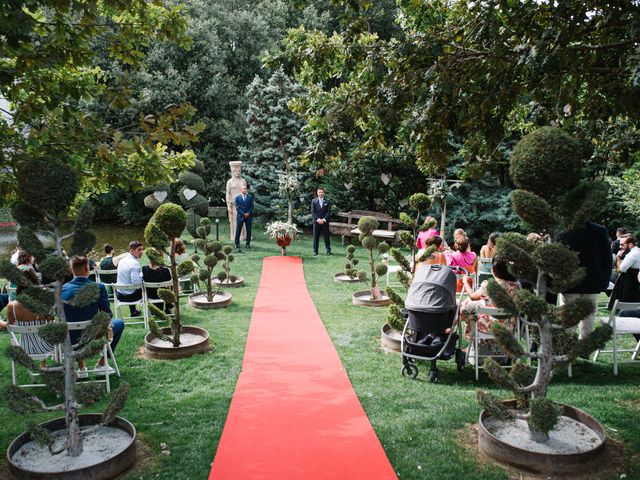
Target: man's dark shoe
pixel 136 313
pixel 328 253
pixel 238 250
pixel 315 254
pixel 248 247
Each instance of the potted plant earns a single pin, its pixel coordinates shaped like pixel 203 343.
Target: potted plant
pixel 549 207
pixel 222 255
pixel 283 233
pixel 177 341
pixel 391 331
pixel 215 254
pixel 372 297
pixel 47 187
pixel 351 273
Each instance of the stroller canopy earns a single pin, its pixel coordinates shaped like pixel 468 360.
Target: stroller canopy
pixel 433 290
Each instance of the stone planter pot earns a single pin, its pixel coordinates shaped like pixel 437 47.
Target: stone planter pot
pixel 390 338
pixel 220 300
pixel 283 241
pixel 344 278
pixel 543 463
pixel 195 340
pixel 227 284
pixel 101 469
pixel 363 299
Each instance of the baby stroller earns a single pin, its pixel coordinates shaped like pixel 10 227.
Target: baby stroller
pixel 431 309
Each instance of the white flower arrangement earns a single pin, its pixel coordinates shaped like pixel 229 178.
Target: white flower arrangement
pixel 287 184
pixel 279 230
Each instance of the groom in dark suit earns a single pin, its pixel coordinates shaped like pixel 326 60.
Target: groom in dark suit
pixel 321 214
pixel 244 216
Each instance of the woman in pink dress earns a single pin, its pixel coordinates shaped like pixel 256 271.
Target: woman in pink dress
pixel 421 241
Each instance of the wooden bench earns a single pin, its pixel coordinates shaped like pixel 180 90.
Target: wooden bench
pixel 350 227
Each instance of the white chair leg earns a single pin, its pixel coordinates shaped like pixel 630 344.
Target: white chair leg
pixel 113 358
pixel 636 352
pixel 615 348
pixel 476 351
pixel 13 373
pixel 570 371
pixel 595 355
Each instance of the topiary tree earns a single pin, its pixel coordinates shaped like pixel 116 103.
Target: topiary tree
pixel 46 189
pixel 215 254
pixel 192 195
pixel 164 228
pixel 550 266
pixel 350 267
pixel 367 225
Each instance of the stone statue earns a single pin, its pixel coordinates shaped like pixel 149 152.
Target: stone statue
pixel 233 190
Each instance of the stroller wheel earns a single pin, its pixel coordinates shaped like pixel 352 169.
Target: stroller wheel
pixel 460 360
pixel 410 370
pixel 433 376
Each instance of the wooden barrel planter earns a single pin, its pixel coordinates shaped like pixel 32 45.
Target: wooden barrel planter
pixel 239 282
pixel 344 278
pixel 219 300
pixel 123 457
pixel 544 463
pixel 363 299
pixel 194 340
pixel 390 338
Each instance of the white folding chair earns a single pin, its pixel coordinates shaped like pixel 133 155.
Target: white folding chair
pixel 117 303
pixel 107 353
pixel 158 302
pixel 621 326
pixel 483 271
pixel 392 271
pixel 104 279
pixel 477 337
pixel 15 331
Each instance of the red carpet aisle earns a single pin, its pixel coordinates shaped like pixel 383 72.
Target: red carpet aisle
pixel 294 414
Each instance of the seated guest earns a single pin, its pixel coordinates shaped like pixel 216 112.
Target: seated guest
pixel 489 249
pixel 80 269
pixel 615 245
pixel 437 257
pixel 459 236
pixel 156 273
pixel 25 262
pixel 130 273
pixel 108 262
pixel 460 256
pixel 426 234
pixel 480 297
pixel 19 315
pixel 627 288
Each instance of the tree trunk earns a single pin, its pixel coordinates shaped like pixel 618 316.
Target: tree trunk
pixel 443 218
pixel 290 210
pixel 209 286
pixel 176 326
pixel 70 406
pixel 545 351
pixel 374 291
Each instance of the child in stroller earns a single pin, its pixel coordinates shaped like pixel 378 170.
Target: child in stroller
pixel 431 312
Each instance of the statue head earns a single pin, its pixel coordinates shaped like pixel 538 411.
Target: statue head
pixel 236 168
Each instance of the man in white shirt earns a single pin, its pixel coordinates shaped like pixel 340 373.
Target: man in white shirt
pixel 130 273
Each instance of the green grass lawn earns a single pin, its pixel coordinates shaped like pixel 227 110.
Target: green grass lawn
pixel 184 403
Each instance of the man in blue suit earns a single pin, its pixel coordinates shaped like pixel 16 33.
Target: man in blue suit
pixel 321 214
pixel 80 269
pixel 244 215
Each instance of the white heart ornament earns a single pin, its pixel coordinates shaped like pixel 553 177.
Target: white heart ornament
pixel 189 194
pixel 160 196
pixel 348 186
pixel 385 178
pixel 403 203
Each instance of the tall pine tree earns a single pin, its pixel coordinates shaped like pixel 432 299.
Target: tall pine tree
pixel 274 134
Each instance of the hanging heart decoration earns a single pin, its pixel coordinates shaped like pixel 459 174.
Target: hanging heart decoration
pixel 348 185
pixel 189 194
pixel 160 196
pixel 403 203
pixel 385 178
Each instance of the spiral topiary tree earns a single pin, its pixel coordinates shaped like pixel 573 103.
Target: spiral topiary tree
pixel 215 253
pixel 47 187
pixel 548 208
pixel 419 203
pixel 350 268
pixel 164 228
pixel 192 195
pixel 367 225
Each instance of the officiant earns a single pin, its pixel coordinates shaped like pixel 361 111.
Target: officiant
pixel 244 216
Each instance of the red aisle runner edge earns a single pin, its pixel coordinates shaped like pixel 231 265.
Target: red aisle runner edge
pixel 294 414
